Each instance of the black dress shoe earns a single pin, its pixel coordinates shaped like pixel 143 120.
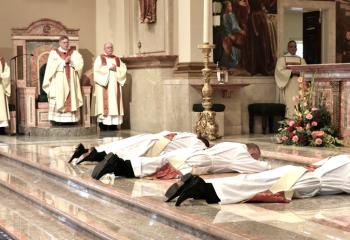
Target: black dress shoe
pixel 124 168
pixel 197 188
pixel 93 156
pixel 176 189
pixel 79 150
pixel 108 165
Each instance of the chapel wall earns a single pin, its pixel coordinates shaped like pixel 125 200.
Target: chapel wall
pixel 75 14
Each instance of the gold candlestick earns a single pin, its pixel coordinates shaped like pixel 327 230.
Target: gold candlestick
pixel 206 125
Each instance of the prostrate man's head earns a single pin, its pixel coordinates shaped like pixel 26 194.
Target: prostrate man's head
pixel 254 150
pixel 64 42
pixel 108 48
pixel 292 47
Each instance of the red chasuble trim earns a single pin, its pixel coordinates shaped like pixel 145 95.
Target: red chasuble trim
pixel 105 89
pixel 269 197
pixel 63 55
pixel 170 136
pixel 165 172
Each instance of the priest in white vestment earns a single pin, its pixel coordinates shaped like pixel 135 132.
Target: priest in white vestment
pixel 5 92
pixel 109 77
pixel 286 80
pixel 326 177
pixel 62 83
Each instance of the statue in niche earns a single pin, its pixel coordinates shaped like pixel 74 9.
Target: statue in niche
pixel 148 11
pixel 42 96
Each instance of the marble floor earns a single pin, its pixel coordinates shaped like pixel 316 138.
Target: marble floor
pixel 65 203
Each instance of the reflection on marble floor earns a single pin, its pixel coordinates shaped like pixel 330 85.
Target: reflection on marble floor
pixel 317 218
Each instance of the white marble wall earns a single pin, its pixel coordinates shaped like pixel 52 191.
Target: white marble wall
pixel 147 99
pixel 260 90
pixel 160 101
pixel 179 98
pixel 118 21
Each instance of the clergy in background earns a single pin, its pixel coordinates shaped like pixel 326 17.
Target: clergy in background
pixel 286 80
pixel 109 77
pixel 62 83
pixel 5 92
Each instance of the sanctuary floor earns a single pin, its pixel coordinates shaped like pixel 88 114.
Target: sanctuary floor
pixel 44 197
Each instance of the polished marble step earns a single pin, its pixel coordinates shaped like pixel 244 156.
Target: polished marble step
pixel 143 196
pixel 21 220
pixel 322 218
pixel 99 216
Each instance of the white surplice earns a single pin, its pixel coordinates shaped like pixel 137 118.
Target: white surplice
pixel 113 82
pixel 329 178
pixel 221 158
pixel 138 145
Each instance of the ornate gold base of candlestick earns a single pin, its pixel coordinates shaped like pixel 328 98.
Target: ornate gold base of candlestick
pixel 206 125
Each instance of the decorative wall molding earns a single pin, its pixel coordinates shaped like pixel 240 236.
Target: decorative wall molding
pixel 45 27
pixel 156 61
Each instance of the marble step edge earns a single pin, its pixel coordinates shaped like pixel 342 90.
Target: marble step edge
pixel 12 232
pixel 198 227
pixel 92 218
pixel 61 216
pixel 18 220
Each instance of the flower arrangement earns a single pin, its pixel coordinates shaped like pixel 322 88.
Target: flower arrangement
pixel 309 125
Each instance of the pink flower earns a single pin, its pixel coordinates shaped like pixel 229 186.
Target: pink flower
pixel 299 129
pixel 314 123
pixel 295 98
pixel 314 109
pixel 309 116
pixel 317 134
pixel 318 141
pixel 284 138
pixel 295 138
pixel 300 79
pixel 291 123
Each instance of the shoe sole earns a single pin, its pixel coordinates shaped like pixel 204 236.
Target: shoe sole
pixel 85 159
pixel 174 190
pixel 98 172
pixel 71 159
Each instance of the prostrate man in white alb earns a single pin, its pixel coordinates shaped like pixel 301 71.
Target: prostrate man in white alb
pixel 329 176
pixel 109 77
pixel 62 83
pixel 221 158
pixel 150 145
